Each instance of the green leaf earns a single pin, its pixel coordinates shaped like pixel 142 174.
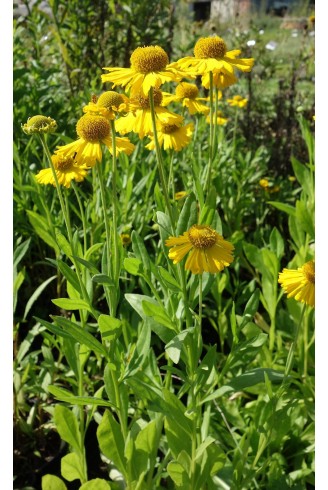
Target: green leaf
pixel 188 215
pixel 140 352
pixel 158 313
pixel 81 335
pixel 178 474
pixel 71 304
pixel 133 266
pixel 66 396
pixel 52 482
pixel 63 243
pixel 305 218
pixel 110 327
pixel 67 426
pixel 250 308
pixel 209 208
pixel 96 484
pixel 111 441
pixel 69 274
pixel 41 228
pixel 140 250
pixel 145 446
pixel 277 243
pixel 136 301
pixel 169 280
pixel 286 208
pixel 20 251
pixel 36 294
pixel 178 428
pixel 246 380
pixel 174 347
pixel 103 279
pixel 253 255
pixel 71 467
pixel 303 175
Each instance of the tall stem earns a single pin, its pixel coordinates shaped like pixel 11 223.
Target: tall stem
pixel 160 165
pixel 211 142
pixel 116 271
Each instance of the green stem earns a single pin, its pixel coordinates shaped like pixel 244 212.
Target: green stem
pixel 234 134
pixel 290 357
pixel 108 270
pixel 84 223
pixel 65 211
pixel 211 142
pixel 160 159
pixel 114 205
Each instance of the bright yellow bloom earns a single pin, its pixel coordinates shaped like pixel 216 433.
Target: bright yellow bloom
pixel 209 252
pixel 220 120
pixel 211 55
pixel 171 136
pixel 93 130
pixel 39 124
pixel 125 239
pixel 66 170
pixel 237 101
pixel 221 80
pixel 149 68
pixel 264 183
pixel 180 195
pixel 187 93
pixel 109 104
pixel 299 283
pixel 139 118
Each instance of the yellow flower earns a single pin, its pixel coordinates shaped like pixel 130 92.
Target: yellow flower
pixel 291 178
pixel 125 239
pixel 149 68
pixel 92 131
pixel 237 101
pixel 187 93
pixel 221 80
pixel 171 136
pixel 39 124
pixel 211 55
pixel 209 252
pixel 180 195
pixel 66 170
pixel 221 121
pixel 274 188
pixel 299 283
pixel 109 104
pixel 139 118
pixel 264 183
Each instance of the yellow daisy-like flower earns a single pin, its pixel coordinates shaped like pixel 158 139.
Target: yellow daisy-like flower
pixel 109 104
pixel 180 195
pixel 237 101
pixel 264 183
pixel 125 239
pixel 187 93
pixel 299 283
pixel 208 251
pixel 39 124
pixel 171 136
pixel 221 80
pixel 139 118
pixel 66 170
pixel 220 120
pixel 211 55
pixel 149 68
pixel 93 130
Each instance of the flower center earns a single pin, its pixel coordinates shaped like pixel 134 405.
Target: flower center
pixel 62 163
pixel 143 101
pixel 110 99
pixel 39 124
pixel 169 128
pixel 93 128
pixel 149 59
pixel 309 272
pixel 202 236
pixel 188 90
pixel 210 47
